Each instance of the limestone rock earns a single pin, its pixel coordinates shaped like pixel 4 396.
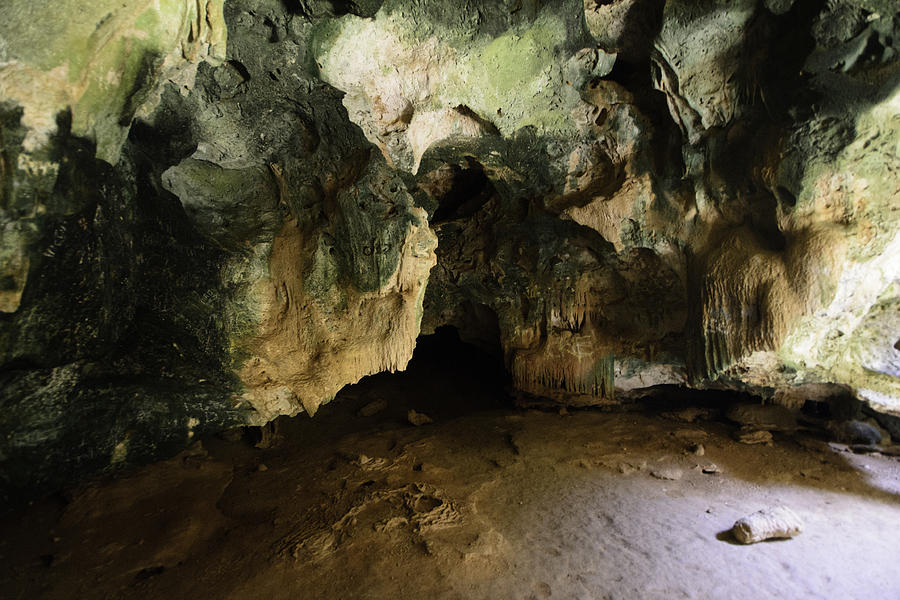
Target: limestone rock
pixel 777 522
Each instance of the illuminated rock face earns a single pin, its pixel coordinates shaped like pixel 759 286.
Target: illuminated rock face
pixel 213 214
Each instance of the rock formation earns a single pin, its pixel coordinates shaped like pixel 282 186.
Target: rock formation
pixel 214 213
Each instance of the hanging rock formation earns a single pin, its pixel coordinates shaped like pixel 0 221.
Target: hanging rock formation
pixel 214 213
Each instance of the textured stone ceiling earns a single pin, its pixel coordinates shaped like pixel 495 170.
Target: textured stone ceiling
pixel 217 213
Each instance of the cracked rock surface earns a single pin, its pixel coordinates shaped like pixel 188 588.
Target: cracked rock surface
pixel 216 213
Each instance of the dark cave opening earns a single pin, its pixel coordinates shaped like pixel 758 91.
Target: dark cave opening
pixel 446 378
pixel 467 189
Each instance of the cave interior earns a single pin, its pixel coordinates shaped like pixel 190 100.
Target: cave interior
pixel 425 299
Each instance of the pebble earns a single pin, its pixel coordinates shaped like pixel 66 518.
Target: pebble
pixel 669 473
pixel 417 418
pixel 373 408
pixel 755 437
pixel 697 449
pixel 626 469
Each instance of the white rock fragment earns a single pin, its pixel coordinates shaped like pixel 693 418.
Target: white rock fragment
pixel 777 522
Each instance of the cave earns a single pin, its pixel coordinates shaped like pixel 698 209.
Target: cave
pixel 424 299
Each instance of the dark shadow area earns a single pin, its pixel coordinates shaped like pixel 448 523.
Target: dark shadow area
pixel 467 190
pixel 669 398
pixel 728 537
pixel 445 380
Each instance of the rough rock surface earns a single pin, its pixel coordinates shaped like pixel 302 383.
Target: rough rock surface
pixel 213 213
pixel 770 523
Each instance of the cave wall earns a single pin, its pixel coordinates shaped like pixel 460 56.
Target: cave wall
pixel 216 213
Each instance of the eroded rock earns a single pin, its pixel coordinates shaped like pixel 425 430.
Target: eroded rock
pixel 777 522
pixel 199 234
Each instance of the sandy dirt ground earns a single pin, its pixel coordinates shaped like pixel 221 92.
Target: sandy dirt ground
pixel 487 502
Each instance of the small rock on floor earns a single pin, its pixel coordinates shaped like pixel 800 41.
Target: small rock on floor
pixel 373 408
pixel 755 437
pixel 697 449
pixel 417 418
pixel 668 473
pixel 776 522
pixel 690 435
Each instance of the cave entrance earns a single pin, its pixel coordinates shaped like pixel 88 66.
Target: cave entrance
pixel 447 377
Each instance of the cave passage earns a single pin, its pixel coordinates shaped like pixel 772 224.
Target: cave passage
pixel 446 378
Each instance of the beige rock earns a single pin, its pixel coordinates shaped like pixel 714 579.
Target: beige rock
pixel 311 341
pixel 667 473
pixel 417 418
pixel 777 522
pixel 373 408
pixel 755 437
pixel 690 435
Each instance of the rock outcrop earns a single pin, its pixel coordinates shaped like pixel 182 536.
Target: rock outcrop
pixel 217 213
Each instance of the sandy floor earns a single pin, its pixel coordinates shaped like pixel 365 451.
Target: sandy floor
pixel 493 503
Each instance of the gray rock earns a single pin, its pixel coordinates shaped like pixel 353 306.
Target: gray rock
pixel 857 432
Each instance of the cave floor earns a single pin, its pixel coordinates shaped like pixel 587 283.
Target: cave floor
pixel 492 503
